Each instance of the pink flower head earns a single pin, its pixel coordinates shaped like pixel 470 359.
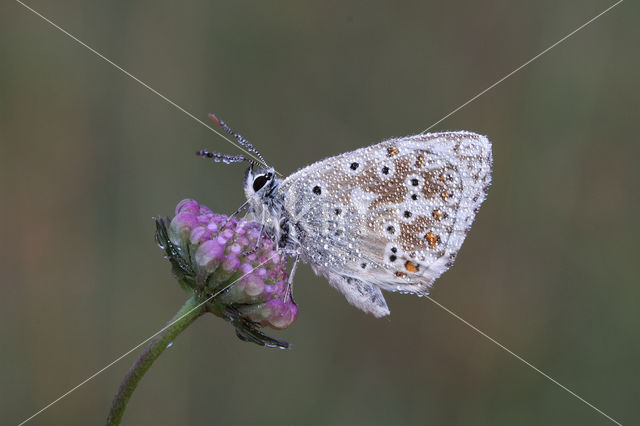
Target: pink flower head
pixel 218 257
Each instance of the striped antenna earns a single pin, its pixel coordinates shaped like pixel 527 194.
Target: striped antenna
pixel 242 141
pixel 223 158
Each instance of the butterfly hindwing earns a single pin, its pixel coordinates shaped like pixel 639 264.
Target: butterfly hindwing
pixel 361 294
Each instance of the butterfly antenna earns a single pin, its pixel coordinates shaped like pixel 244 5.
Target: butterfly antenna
pixel 223 158
pixel 242 141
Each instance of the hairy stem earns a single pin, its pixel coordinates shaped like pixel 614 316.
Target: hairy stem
pixel 189 312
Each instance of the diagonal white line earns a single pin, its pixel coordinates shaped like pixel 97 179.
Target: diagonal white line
pixel 94 375
pixel 506 349
pixel 500 345
pixel 142 83
pixel 522 66
pixel 519 358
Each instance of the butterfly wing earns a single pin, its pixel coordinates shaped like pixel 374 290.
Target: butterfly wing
pixel 361 294
pixel 393 214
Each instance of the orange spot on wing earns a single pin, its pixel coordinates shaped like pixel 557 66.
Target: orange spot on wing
pixel 411 267
pixel 432 239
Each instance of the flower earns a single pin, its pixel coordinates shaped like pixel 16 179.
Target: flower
pixel 218 258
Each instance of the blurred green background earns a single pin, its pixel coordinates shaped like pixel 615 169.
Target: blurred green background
pixel 88 157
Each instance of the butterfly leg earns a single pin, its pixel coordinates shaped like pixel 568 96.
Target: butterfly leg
pixel 289 293
pixel 255 248
pixel 238 210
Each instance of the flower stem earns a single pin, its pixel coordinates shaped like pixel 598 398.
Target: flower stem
pixel 189 312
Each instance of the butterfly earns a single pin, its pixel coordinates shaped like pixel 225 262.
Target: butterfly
pixel 391 216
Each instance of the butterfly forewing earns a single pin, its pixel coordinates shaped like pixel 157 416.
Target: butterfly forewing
pixel 393 214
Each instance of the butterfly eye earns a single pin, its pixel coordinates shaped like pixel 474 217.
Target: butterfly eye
pixel 260 181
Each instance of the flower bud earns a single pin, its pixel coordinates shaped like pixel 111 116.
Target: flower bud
pixel 275 313
pixel 218 257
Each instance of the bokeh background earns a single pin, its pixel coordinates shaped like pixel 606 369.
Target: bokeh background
pixel 88 157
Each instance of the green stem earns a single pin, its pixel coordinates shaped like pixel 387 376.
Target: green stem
pixel 189 312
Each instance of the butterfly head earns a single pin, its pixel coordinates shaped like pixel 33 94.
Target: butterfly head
pixel 260 183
